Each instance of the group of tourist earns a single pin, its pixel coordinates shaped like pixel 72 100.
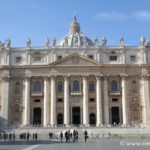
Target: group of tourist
pixel 69 136
pixel 8 136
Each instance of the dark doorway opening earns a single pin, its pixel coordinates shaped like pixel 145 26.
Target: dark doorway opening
pixel 76 115
pixel 92 119
pixel 115 115
pixel 59 119
pixel 37 116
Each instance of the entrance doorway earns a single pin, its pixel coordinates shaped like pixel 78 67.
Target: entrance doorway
pixel 115 115
pixel 59 119
pixel 76 115
pixel 92 119
pixel 37 116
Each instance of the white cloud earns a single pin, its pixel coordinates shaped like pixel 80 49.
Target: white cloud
pixel 110 16
pixel 140 15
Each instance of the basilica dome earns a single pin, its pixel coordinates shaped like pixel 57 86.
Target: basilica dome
pixel 75 38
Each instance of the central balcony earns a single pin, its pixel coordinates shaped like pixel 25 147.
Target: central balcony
pixel 40 93
pixel 75 93
pixel 115 93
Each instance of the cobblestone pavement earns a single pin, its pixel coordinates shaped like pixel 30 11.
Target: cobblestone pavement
pixel 91 144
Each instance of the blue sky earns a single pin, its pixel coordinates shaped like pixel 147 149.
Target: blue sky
pixel 38 19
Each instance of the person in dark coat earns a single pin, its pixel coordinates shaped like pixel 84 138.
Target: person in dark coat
pixel 85 135
pixel 36 136
pixel 33 136
pixel 28 135
pixel 61 136
pixel 66 136
pixel 5 136
pixel 14 136
pixel 10 136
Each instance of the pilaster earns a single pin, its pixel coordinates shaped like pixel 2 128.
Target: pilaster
pixel 106 100
pixel 5 99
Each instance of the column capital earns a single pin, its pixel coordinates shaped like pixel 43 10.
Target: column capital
pixel 6 78
pixel 66 77
pixel 85 76
pixel 124 76
pixel 98 76
pixel 105 77
pixel 26 78
pixel 46 78
pixel 145 76
pixel 53 77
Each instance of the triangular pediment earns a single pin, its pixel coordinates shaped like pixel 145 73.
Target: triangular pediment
pixel 76 60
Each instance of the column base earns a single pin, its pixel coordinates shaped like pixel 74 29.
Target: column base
pixel 66 125
pixel 53 125
pixel 45 125
pixel 86 125
pixel 99 125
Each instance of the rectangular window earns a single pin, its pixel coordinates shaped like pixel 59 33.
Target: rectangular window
pixel 90 56
pixel 18 59
pixel 92 99
pixel 59 57
pixel 132 58
pixel 114 99
pixel 113 58
pixel 37 59
pixel 60 100
pixel 36 100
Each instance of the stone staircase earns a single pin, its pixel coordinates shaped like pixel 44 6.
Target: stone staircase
pixel 93 132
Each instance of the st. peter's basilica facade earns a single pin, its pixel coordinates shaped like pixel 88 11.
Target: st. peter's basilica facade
pixel 75 81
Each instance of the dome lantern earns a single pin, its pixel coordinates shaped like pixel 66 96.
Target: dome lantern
pixel 75 26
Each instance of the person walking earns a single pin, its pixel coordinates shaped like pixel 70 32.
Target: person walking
pixel 14 136
pixel 61 136
pixel 85 135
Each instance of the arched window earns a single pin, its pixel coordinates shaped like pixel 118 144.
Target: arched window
pixel 91 86
pixel 76 86
pixel 60 86
pixel 92 119
pixel 134 86
pixel 37 86
pixel 59 119
pixel 114 86
pixel 17 88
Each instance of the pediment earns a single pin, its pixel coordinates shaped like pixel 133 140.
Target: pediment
pixel 76 60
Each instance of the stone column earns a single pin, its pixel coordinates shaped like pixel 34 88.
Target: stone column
pixel 144 57
pixel 106 101
pixel 85 102
pixel 146 99
pixel 98 101
pixel 53 101
pixel 66 101
pixel 124 100
pixel 46 100
pixel 26 114
pixel 5 100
